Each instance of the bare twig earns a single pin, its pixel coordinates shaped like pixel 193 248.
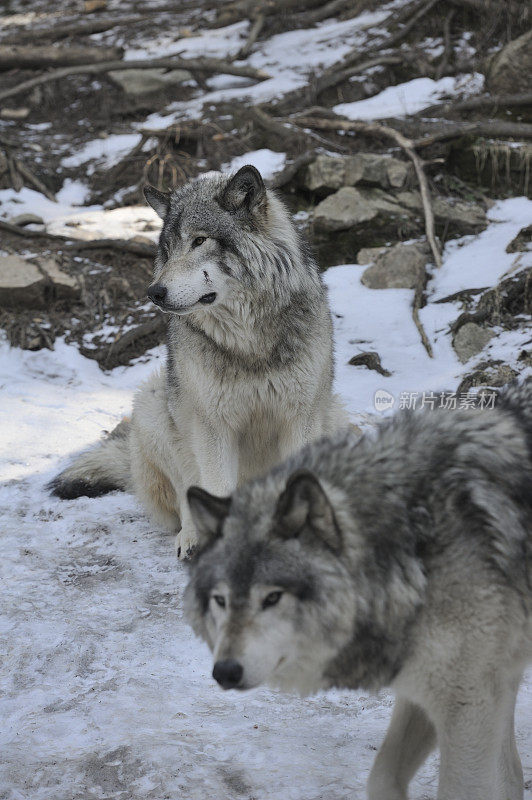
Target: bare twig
pixel 286 175
pixel 207 65
pixel 284 128
pixel 332 78
pixel 417 303
pixel 448 45
pixel 254 33
pixel 374 128
pixel 148 328
pixel 33 180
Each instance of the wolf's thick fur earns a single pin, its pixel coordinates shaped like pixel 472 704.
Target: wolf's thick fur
pixel 401 559
pixel 248 379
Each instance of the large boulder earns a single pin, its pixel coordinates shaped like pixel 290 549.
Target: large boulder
pixel 328 173
pixel 469 340
pixel 463 217
pixel 142 82
pixel 349 207
pixel 509 71
pixel 24 284
pixel 399 267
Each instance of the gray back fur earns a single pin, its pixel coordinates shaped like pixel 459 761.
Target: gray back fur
pixel 428 485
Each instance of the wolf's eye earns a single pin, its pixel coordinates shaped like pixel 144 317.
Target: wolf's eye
pixel 199 240
pixel 271 599
pixel 219 599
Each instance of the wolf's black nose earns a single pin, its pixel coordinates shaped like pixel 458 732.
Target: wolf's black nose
pixel 228 673
pixel 157 293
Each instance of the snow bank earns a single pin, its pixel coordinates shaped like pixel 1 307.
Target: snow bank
pixel 410 97
pixel 266 161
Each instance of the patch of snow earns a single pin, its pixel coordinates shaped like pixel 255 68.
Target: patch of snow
pixel 104 691
pixel 107 151
pixel 288 58
pixel 29 201
pixel 268 162
pixel 474 262
pixel 410 97
pixel 119 223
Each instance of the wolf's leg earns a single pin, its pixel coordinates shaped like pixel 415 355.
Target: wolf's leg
pixel 511 786
pixel 409 740
pixel 154 445
pixel 216 452
pixel 469 736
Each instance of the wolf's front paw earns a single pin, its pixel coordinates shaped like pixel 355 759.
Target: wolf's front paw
pixel 186 542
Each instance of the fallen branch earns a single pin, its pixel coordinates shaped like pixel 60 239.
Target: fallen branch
pixel 84 28
pixel 283 128
pixel 286 174
pixel 494 128
pixel 253 35
pixel 33 180
pixel 447 45
pixel 417 303
pixel 207 65
pixel 493 101
pixel 35 57
pixel 329 78
pixel 121 245
pixel 376 129
pixel 142 249
pixel 148 328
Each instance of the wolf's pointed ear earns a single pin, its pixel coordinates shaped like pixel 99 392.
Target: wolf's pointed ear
pixel 244 192
pixel 304 505
pixel 208 512
pixel 159 201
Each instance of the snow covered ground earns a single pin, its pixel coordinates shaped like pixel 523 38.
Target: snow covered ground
pixel 104 691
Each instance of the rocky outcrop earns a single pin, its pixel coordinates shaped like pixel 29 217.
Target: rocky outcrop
pixel 329 173
pixel 509 71
pixel 24 284
pixel 469 340
pixel 142 82
pixel 349 207
pixel 398 267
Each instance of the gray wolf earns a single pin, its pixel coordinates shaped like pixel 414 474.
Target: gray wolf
pixel 249 371
pixel 401 559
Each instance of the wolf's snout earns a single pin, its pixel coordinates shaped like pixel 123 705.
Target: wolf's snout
pixel 157 293
pixel 228 673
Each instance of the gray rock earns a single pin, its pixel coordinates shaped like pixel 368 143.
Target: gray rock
pixel 140 82
pixel 64 287
pixel 26 219
pixel 467 217
pixel 510 69
pixel 25 285
pixel 371 360
pixel 398 267
pixel 21 283
pixel 333 172
pixel 349 207
pixel 469 340
pixel 368 255
pixel 522 243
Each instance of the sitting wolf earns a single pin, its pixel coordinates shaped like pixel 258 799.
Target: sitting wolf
pixel 248 379
pixel 400 560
